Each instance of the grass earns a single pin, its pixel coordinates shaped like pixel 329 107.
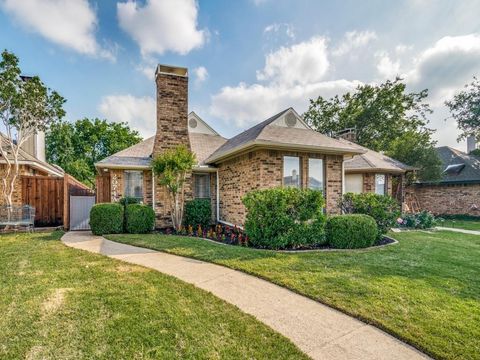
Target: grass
pixel 61 303
pixel 424 290
pixel 462 224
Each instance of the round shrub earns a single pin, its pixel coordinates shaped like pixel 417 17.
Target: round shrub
pixel 198 212
pixel 281 218
pixel 139 219
pixel 106 218
pixel 351 231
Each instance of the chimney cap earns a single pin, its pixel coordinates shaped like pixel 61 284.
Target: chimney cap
pixel 171 70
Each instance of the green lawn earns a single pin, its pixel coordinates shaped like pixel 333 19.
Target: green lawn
pixel 462 224
pixel 425 290
pixel 61 303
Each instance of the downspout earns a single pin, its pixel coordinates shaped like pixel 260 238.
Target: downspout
pixel 343 177
pixel 218 197
pixel 153 191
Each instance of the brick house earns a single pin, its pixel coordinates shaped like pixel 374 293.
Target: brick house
pixel 280 151
pixel 458 192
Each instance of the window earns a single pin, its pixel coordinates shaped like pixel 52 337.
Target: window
pixel 291 171
pixel 380 184
pixel 315 174
pixel 134 184
pixel 202 186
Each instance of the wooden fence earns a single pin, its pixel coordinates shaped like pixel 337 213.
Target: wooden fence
pixel 50 196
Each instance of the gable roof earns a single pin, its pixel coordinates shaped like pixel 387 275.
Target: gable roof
pixel 458 167
pixel 24 158
pixel 373 161
pixel 267 133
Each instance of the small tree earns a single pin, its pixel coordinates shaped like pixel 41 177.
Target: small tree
pixel 172 168
pixel 27 106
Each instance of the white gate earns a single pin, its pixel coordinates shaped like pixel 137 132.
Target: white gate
pixel 80 207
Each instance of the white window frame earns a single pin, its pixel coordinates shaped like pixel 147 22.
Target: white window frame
pixel 310 160
pixel 382 187
pixel 299 175
pixel 205 194
pixel 127 183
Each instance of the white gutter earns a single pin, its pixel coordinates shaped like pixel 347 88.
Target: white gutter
pixel 153 191
pixel 218 197
pixel 343 177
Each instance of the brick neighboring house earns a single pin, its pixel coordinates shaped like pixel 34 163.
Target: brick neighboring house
pixel 458 192
pixel 280 151
pixel 32 163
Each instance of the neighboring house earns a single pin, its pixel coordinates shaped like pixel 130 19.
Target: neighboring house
pixel 32 163
pixel 458 192
pixel 375 172
pixel 280 151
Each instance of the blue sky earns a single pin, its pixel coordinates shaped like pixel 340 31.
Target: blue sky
pixel 247 59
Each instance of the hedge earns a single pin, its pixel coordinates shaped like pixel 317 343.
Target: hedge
pixel 282 218
pixel 352 231
pixel 198 212
pixel 139 219
pixel 106 218
pixel 384 209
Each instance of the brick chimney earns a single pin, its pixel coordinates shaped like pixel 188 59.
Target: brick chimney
pixel 172 108
pixel 348 134
pixel 172 129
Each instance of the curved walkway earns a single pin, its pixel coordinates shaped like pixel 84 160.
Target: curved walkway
pixel 318 330
pixel 463 231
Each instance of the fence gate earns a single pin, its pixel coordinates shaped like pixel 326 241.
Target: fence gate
pixel 80 212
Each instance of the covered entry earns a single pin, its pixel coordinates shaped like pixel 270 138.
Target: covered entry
pixel 80 207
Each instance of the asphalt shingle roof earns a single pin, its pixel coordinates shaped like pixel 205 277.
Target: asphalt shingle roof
pixel 267 132
pixel 470 173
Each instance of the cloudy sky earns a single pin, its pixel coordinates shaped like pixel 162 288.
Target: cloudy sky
pixel 247 59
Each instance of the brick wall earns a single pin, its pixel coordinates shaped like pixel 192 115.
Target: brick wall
pixel 447 199
pixel 263 169
pixel 172 130
pixel 369 183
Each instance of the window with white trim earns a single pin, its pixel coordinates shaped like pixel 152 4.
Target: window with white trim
pixel 202 186
pixel 133 184
pixel 315 174
pixel 291 171
pixel 380 184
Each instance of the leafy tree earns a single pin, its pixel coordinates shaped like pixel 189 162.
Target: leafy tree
pixel 384 117
pixel 76 147
pixel 475 152
pixel 27 107
pixel 465 109
pixel 172 167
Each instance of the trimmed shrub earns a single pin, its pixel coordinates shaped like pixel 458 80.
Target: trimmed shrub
pixel 421 220
pixel 384 209
pixel 198 212
pixel 127 200
pixel 106 218
pixel 139 219
pixel 281 218
pixel 353 231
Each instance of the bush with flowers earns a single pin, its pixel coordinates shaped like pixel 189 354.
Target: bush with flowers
pixel 420 220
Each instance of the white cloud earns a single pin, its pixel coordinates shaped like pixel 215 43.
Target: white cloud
pixel 246 105
pixel 386 67
pixel 354 40
pixel 449 63
pixel 138 112
pixel 201 74
pixel 301 63
pixel 71 24
pixel 162 25
pixel 277 27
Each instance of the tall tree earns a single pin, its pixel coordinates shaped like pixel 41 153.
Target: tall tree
pixel 76 147
pixel 384 117
pixel 465 109
pixel 27 106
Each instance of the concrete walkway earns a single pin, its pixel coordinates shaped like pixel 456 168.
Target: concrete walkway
pixel 318 330
pixel 464 231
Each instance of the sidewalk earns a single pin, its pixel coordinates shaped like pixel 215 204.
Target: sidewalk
pixel 318 330
pixel 464 231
